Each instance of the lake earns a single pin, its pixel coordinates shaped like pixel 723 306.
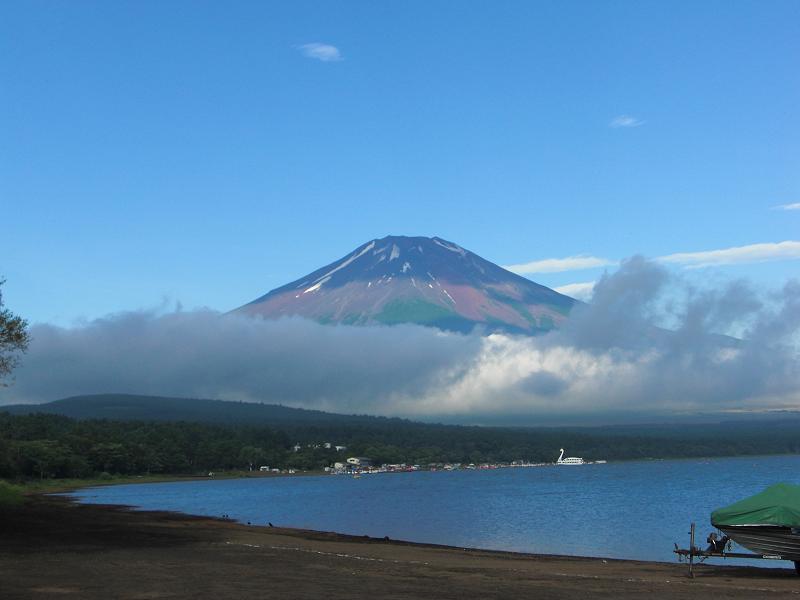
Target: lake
pixel 633 510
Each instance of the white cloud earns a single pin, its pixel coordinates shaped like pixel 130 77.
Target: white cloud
pixel 581 291
pixel 558 265
pixel 625 121
pixel 323 52
pixel 605 358
pixel 793 206
pixel 754 253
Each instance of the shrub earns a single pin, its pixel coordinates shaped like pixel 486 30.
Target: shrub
pixel 10 495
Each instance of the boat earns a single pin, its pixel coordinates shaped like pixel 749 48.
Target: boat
pixel 572 460
pixel 767 523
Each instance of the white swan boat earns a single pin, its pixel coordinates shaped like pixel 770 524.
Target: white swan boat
pixel 571 460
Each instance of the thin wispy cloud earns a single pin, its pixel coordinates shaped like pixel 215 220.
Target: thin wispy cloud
pixel 558 265
pixel 579 291
pixel 737 255
pixel 793 206
pixel 754 253
pixel 323 52
pixel 625 121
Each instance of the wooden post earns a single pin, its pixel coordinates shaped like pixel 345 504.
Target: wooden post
pixel 691 551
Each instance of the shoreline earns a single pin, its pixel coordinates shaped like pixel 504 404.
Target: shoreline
pixel 58 486
pixel 61 485
pixel 55 486
pixel 54 546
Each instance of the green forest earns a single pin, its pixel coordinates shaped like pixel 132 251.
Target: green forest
pixel 43 446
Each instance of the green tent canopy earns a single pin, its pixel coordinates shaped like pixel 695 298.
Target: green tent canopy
pixel 778 505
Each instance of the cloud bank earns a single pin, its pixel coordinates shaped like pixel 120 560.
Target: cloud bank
pixel 612 357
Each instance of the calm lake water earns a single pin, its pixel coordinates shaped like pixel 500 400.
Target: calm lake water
pixel 621 510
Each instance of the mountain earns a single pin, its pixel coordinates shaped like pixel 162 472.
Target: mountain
pixel 699 428
pixel 428 281
pixel 130 407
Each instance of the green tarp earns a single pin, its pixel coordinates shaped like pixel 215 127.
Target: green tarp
pixel 779 504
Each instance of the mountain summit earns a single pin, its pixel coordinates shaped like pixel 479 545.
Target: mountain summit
pixel 428 281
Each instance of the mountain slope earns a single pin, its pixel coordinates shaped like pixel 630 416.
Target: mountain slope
pixel 130 407
pixel 428 281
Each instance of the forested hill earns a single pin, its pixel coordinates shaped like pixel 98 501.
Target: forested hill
pixel 129 435
pixel 129 407
pixel 48 445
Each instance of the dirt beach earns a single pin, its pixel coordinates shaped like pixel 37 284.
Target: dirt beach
pixel 55 548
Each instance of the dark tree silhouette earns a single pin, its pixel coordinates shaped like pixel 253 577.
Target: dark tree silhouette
pixel 13 339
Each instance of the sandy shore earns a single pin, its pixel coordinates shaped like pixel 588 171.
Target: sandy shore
pixel 55 548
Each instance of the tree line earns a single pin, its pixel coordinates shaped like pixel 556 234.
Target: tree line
pixel 54 446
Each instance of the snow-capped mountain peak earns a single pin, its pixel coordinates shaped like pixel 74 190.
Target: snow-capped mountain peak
pixel 429 281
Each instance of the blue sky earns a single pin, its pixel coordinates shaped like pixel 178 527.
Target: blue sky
pixel 207 152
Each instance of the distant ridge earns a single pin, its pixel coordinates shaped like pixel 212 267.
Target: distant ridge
pixel 129 407
pixel 421 280
pixel 132 407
